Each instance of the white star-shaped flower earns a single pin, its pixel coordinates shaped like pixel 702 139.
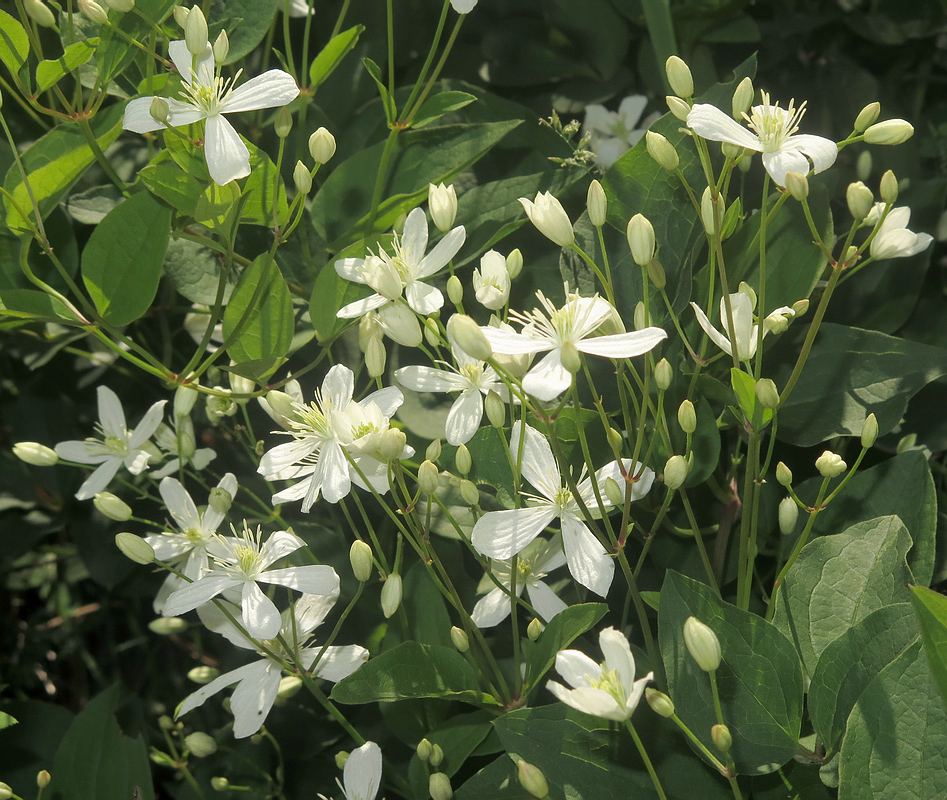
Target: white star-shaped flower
pixel 894 239
pixel 361 776
pixel 747 333
pixel 614 133
pixel 772 133
pixel 503 534
pixel 607 690
pixel 117 446
pixel 207 96
pixel 573 325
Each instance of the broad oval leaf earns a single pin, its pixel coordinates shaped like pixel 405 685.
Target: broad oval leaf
pixel 259 314
pixel 931 609
pixel 51 71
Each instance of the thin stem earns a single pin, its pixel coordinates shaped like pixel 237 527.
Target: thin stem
pixel 647 760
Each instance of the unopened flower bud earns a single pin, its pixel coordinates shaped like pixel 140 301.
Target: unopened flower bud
pixel 341 758
pixel 121 5
pixel 167 626
pixel 867 117
pixel 135 548
pixel 640 317
pixel 455 290
pixel 640 234
pixel 675 472
pixel 889 187
pixel 439 786
pixel 392 444
pixel 375 358
pixel 786 515
pixel 863 165
pixel 391 595
pixel 301 178
pixel 5 791
pixel 514 263
pixel 200 744
pixel 219 784
pixel 289 686
pixel 711 211
pixel 597 204
pixel 321 146
pixel 702 643
pixel 889 132
pixel 613 492
pixel 111 506
pixel 687 417
pixel 531 778
pixel 221 47
pixel 424 750
pixel 442 202
pixel 570 357
pixel 615 439
pixel 679 77
pixel 869 431
pixel 40 13
pixel 660 703
pixel 797 185
pixel 534 630
pixel 679 108
pixel 767 393
pixel 180 15
pixel 195 31
pixel 495 408
pixel 185 396
pixel 469 492
pixel 720 735
pixel 830 465
pixel 663 374
pixel 742 98
pixel 283 122
pixel 203 674
pixel 468 337
pixel 860 200
pixel 800 307
pixel 549 218
pixel 731 151
pixel 783 474
pixel 433 450
pixel 662 151
pixel 459 637
pixel 93 11
pixel 360 557
pixel 43 778
pixel 282 405
pixel 437 755
pixel 462 459
pixel 159 109
pixel 656 273
pixel 39 455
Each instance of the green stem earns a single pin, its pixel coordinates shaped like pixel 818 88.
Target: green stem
pixel 647 760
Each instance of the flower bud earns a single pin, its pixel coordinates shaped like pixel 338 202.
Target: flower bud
pixel 702 644
pixel 531 778
pixel 731 151
pixel 679 108
pixel 135 548
pixel 514 263
pixel 5 791
pixel 427 477
pixel 640 235
pixel 742 98
pixel 830 465
pixel 662 151
pixel 597 204
pixel 424 750
pixel 375 358
pixel 289 686
pixel 220 784
pixel 283 122
pixel 341 758
pixel 613 492
pixel 800 307
pixel 432 332
pixel 180 15
pixel 321 146
pixel 203 674
pixel 787 514
pixel 43 778
pixel 200 744
pixel 469 493
pixel 121 5
pixel 711 211
pixel 797 185
pixel 640 318
pixel 39 13
pixel 570 357
pixel 466 334
pixel 615 439
pixel 433 450
pixel 656 273
pixel 439 786
pixel 496 409
pixel 679 77
pixel 159 109
pixel 783 474
pixel 185 396
pixel 391 595
pixel 108 505
pixel 442 202
pixel 392 444
pixel 39 455
pixel 869 431
pixel 660 703
pixel 302 179
pixel 360 557
pixel 863 165
pixel 860 200
pixel 282 405
pixel 221 47
pixel 663 374
pixel 459 637
pixel 549 218
pixel 462 459
pixel 93 11
pixel 723 741
pixel 455 290
pixel 167 626
pixel 437 755
pixel 687 417
pixel 889 132
pixel 195 31
pixel 867 117
pixel 889 187
pixel 675 472
pixel 766 393
pixel 534 630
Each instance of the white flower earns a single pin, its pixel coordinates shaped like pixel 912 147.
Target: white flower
pixel 300 8
pixel 461 7
pixel 608 690
pixel 550 218
pixel 361 775
pixel 179 443
pixel 535 560
pixel 403 272
pixel 773 134
pixel 187 547
pixel 238 564
pixel 502 534
pixel 614 133
pixel 747 334
pixel 207 96
pixel 322 431
pixel 893 239
pixel 117 446
pixel 572 324
pixel 492 281
pixel 258 682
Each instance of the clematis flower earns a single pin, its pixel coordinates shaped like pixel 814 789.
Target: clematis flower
pixel 607 690
pixel 893 239
pixel 772 133
pixel 179 443
pixel 361 776
pixel 207 96
pixel 463 6
pixel 614 133
pixel 503 534
pixel 535 560
pixel 239 563
pixel 550 218
pixel 322 431
pixel 117 446
pixel 571 325
pixel 747 334
pixel 492 281
pixel 300 8
pixel 402 273
pixel 258 682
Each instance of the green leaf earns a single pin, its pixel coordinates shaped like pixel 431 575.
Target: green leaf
pixel 216 206
pixel 413 670
pixel 6 720
pixel 195 271
pixel 896 737
pixel 324 64
pixel 172 184
pixel 31 745
pixel 491 464
pixel 268 330
pixel 51 71
pixel 562 630
pixel 497 781
pixel 744 388
pixel 850 374
pixel 256 369
pixel 246 23
pixel 458 738
pixel 839 580
pixel 95 759
pixel 262 186
pixel 31 304
pixel 760 679
pixel 121 262
pixel 387 101
pixel 440 104
pixel 851 662
pixel 115 52
pixel 14 43
pixel 931 609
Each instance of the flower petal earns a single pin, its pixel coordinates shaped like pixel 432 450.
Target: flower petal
pixel 715 336
pixel 275 462
pixel 596 702
pixel 492 608
pixel 623 345
pixel 709 122
pixel 544 600
pixel 348 268
pixel 198 698
pixel 338 386
pixel 111 413
pixel 332 476
pixel 538 464
pixel 464 417
pixel 502 534
pixel 278 545
pixel 311 579
pixel 548 379
pixel 99 479
pixel 226 155
pixel 253 698
pixel 588 561
pixel 782 161
pixel 388 400
pixel 196 594
pixel 618 655
pixel 423 298
pixel 359 308
pixel 271 89
pixel 442 253
pixel 414 237
pixel 148 425
pixel 577 668
pixel 426 379
pixel 822 151
pixel 362 772
pixel 399 323
pixel 212 517
pixel 631 108
pixel 259 614
pixel 337 662
pixel 179 504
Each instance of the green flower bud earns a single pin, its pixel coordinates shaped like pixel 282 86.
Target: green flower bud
pixel 462 459
pixel 159 109
pixel 341 758
pixel 391 595
pixel 432 333
pixel 375 358
pixel 439 786
pixel 43 778
pixel 433 451
pixel 675 472
pixel 221 47
pixel 731 151
pixel 459 637
pixel 830 465
pixel 5 791
pixel 531 778
pixel 662 151
pixel 615 439
pixel 302 179
pixel 219 784
pixel 437 755
pixel 195 31
pixel 283 122
pixel 496 409
pixel 663 374
pixel 889 187
pixel 867 117
pixel 289 686
pixel 679 77
pixel 869 431
pixel 742 98
pixel 121 5
pixel 200 744
pixel 549 218
pixel 321 146
pixel 660 703
pixel 361 559
pixel 424 750
pixel 723 741
pixel 220 500
pixel 797 185
pixel 442 203
pixel 800 307
pixel 467 335
pixel 455 290
pixel 889 132
pixel 469 492
pixel 640 316
pixel 39 13
pixel 108 505
pixel 863 165
pixel 93 11
pixel 767 393
pixel 167 626
pixel 180 15
pixel 135 548
pixel 711 211
pixel 39 455
pixel 597 204
pixel 679 108
pixel 787 514
pixel 534 630
pixel 702 644
pixel 613 492
pixel 783 474
pixel 570 357
pixel 392 444
pixel 687 417
pixel 514 263
pixel 640 235
pixel 203 674
pixel 860 200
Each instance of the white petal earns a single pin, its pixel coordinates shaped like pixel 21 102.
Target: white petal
pixel 715 336
pixel 426 379
pixel 269 90
pixel 332 475
pixel 183 60
pixel 359 308
pixel 286 455
pixel 636 693
pixel 388 400
pixel 196 699
pixel 215 619
pixel 212 517
pixel 253 698
pixel 111 413
pixel 196 594
pixel 85 452
pixel 596 702
pixel 291 493
pixel 577 668
pixel 311 579
pixel 463 419
pixel 138 117
pixel 623 345
pixel 442 253
pixel 509 343
pixel 400 323
pixel 492 609
pixel 423 298
pixel 502 534
pixel 338 386
pixel 148 425
pixel 544 600
pixel 548 379
pixel 414 237
pixel 609 150
pixel 348 268
pixel 538 464
pixel 618 655
pixel 337 662
pixel 822 151
pixel 259 614
pixel 463 6
pixel 179 503
pixel 588 561
pixel 631 108
pixel 362 772
pixel 711 123
pixel 226 155
pixel 279 544
pixel 782 161
pixel 99 479
pixel 311 610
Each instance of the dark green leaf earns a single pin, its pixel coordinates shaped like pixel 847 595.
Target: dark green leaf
pixel 324 64
pixel 195 271
pixel 256 369
pixel 50 72
pixel 931 609
pixel 263 309
pixel 14 42
pixel 387 101
pixel 172 184
pixel 115 52
pixel 246 23
pixel 262 187
pixel 458 738
pixel 562 630
pixel 440 104
pixel 32 303
pixel 744 387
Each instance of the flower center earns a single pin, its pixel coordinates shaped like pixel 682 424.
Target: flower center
pixel 774 125
pixel 209 97
pixel 247 558
pixel 116 446
pixel 609 682
pixel 563 498
pixel 193 535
